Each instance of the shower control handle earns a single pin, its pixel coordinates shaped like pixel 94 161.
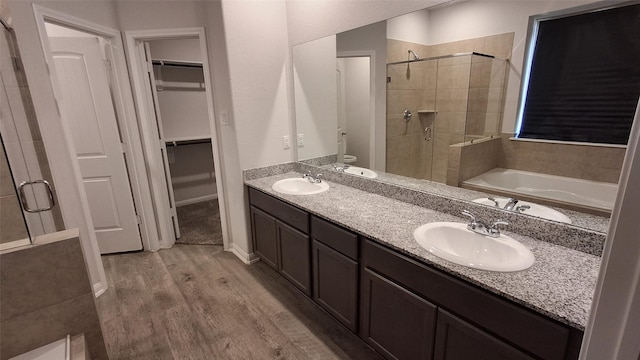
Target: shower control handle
pixel 427 133
pixel 407 115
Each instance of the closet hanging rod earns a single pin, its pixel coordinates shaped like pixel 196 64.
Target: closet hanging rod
pixel 177 63
pixel 187 142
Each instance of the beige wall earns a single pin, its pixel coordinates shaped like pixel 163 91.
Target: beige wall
pixel 596 163
pixel 467 160
pixel 12 225
pixel 54 300
pixel 465 91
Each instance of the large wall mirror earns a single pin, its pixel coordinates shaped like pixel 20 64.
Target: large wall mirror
pixel 430 99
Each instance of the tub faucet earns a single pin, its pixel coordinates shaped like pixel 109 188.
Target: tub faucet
pixel 511 204
pixel 481 228
pixel 340 167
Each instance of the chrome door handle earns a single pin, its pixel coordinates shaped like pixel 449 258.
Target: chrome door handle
pixel 23 197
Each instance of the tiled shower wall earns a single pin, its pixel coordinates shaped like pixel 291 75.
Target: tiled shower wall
pixel 457 88
pixel 597 163
pixel 12 225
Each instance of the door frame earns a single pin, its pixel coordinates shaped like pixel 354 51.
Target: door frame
pixel 148 125
pixel 374 126
pixel 124 108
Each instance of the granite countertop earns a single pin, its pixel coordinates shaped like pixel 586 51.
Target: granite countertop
pixel 560 284
pixel 581 219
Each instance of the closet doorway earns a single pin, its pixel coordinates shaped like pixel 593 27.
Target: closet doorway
pixel 174 99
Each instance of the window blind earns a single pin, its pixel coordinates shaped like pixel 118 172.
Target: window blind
pixel 585 78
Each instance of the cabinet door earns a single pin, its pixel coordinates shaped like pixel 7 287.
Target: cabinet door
pixel 265 237
pixel 335 284
pixel 295 257
pixel 459 340
pixel 396 322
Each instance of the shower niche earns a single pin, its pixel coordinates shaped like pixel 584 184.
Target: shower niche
pixel 455 100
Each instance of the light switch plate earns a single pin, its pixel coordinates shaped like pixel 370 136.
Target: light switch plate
pixel 285 142
pixel 224 118
pixel 300 140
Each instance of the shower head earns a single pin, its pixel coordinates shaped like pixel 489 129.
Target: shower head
pixel 415 56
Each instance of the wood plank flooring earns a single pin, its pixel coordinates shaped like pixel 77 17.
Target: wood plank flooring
pixel 199 302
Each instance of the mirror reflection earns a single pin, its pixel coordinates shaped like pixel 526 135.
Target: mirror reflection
pixel 440 106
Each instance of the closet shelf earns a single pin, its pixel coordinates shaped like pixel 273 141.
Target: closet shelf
pixel 177 63
pixel 427 112
pixel 187 140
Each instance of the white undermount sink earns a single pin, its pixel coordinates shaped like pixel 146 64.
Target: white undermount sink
pixel 356 170
pixel 454 242
pixel 299 186
pixel 533 210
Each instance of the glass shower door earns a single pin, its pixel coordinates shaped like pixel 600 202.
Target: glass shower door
pixel 411 115
pixel 13 225
pixel 26 197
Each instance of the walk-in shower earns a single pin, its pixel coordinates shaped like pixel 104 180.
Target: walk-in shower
pixel 454 99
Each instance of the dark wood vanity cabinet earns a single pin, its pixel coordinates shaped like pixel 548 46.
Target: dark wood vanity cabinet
pixel 284 247
pixel 335 271
pixel 484 326
pixel 456 339
pixel 396 322
pixel 401 307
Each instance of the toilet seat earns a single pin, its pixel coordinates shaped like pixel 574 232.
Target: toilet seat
pixel 349 159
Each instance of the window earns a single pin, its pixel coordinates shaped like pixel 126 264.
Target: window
pixel 582 79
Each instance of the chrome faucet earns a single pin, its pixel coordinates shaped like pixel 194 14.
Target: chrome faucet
pixel 481 228
pixel 511 204
pixel 340 167
pixel 312 179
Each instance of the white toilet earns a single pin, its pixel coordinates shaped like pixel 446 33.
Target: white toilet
pixel 349 159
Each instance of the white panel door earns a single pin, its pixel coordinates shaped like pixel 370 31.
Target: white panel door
pixel 88 111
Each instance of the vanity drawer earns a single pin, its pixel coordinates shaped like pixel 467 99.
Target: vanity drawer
pixel 335 237
pixel 538 335
pixel 289 214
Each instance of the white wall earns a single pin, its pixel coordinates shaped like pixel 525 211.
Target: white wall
pixel 412 27
pixel 371 40
pixel 314 74
pixel 313 19
pixel 472 19
pixel 614 324
pixel 176 49
pixel 358 116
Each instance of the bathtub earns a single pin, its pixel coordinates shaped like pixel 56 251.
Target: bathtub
pixel 556 189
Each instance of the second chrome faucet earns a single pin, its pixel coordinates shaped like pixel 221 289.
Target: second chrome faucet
pixel 312 179
pixel 481 228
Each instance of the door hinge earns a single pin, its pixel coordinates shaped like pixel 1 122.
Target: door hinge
pixel 174 212
pixel 138 219
pixel 149 67
pixel 107 64
pixel 123 148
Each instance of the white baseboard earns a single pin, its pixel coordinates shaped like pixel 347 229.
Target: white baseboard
pixel 196 200
pixel 243 255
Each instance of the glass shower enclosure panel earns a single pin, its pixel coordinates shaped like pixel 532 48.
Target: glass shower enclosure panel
pixel 411 118
pixel 27 199
pixel 487 82
pixel 13 225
